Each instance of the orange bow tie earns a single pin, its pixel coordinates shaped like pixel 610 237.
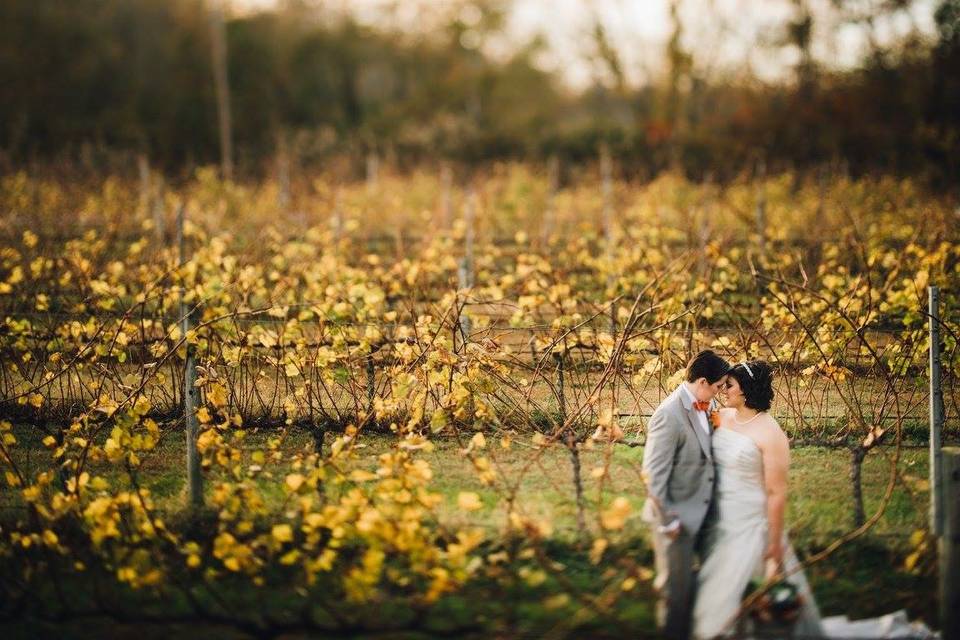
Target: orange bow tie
pixel 701 406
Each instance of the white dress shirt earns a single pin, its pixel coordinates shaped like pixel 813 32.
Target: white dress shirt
pixel 701 415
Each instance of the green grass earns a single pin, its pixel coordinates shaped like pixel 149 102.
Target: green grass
pixel 820 505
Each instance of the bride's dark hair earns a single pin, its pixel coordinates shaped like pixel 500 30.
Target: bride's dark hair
pixel 756 382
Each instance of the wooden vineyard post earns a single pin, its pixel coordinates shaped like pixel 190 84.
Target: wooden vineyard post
pixel 336 219
pixel 549 213
pixel 761 209
pixel 373 171
pixel 190 400
pixel 606 175
pixel 570 441
pixel 944 486
pixel 465 270
pixel 371 385
pixel 446 188
pixel 949 545
pixel 143 169
pixel 936 413
pixel 283 173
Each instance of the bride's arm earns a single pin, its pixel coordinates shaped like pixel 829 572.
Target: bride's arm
pixel 776 462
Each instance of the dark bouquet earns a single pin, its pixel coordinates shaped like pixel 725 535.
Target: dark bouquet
pixel 780 603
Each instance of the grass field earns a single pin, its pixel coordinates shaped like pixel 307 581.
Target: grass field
pixel 819 502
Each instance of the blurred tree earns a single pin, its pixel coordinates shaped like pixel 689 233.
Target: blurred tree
pixel 433 79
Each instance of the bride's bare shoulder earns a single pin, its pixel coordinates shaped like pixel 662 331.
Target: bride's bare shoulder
pixel 771 429
pixel 769 420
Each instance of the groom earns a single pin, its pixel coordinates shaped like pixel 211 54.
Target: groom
pixel 679 474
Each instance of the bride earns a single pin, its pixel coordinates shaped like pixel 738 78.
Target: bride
pixel 747 538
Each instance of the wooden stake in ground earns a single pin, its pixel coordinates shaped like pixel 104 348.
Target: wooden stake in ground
pixel 446 187
pixel 159 215
pixel 143 168
pixel 190 399
pixel 283 173
pixel 373 171
pixel 609 241
pixel 465 271
pixel 936 413
pixel 570 441
pixel 949 545
pixel 549 212
pixel 761 209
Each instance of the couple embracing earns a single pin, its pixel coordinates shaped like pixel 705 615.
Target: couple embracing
pixel 716 481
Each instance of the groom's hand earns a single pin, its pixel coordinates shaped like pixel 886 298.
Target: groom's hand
pixel 672 530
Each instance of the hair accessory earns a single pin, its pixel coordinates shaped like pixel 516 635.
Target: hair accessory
pixel 747 367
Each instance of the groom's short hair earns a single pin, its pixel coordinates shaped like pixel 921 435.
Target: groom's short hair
pixel 707 364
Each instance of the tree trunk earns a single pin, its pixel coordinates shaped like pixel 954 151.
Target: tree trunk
pixel 218 41
pixel 857 455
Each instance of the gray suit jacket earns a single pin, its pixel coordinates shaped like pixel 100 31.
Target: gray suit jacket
pixel 677 465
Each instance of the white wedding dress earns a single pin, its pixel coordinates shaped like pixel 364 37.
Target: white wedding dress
pixel 735 544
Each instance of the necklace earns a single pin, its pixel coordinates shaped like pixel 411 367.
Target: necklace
pixel 755 416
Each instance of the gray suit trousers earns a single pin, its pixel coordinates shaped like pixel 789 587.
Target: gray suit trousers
pixel 674 583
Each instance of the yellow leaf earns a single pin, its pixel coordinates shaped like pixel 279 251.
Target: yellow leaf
pixel 557 601
pixel 616 516
pixel 911 561
pixel 282 533
pixel 596 551
pixel 438 420
pixel 207 439
pixel 217 394
pixel 295 481
pixel 478 441
pixel 469 501
pixel 533 578
pixel 359 475
pixel 268 339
